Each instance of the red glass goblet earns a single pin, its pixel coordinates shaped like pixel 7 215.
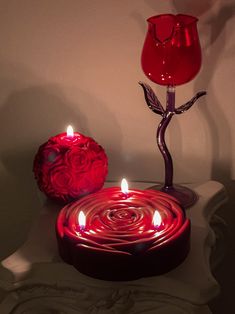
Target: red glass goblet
pixel 171 53
pixel 171 56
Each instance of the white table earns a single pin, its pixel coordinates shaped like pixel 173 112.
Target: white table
pixel 34 280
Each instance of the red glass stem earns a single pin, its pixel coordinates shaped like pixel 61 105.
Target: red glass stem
pixel 169 112
pixel 155 105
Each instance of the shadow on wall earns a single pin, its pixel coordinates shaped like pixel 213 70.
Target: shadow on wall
pixel 219 131
pixel 194 8
pixel 26 114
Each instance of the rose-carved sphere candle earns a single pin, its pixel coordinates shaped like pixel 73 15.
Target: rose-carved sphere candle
pixel 70 165
pixel 123 235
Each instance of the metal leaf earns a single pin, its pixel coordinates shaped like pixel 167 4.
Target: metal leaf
pixel 151 99
pixel 189 104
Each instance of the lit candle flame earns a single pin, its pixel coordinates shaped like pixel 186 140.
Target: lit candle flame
pixel 157 219
pixel 70 131
pixel 124 186
pixel 82 220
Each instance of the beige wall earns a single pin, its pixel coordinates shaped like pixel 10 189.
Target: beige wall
pixel 78 62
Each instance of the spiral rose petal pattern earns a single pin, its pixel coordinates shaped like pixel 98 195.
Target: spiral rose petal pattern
pixel 119 229
pixel 69 167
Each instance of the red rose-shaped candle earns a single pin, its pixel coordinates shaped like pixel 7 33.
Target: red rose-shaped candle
pixel 123 235
pixel 70 165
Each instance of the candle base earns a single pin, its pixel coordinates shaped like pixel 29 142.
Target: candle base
pixel 184 195
pixel 104 265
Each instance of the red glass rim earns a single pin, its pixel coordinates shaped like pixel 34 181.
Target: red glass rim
pixel 183 18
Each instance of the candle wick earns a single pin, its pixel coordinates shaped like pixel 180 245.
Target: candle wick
pixel 82 228
pixel 125 194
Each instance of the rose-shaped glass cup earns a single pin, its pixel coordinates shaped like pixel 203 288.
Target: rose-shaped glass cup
pixel 171 56
pixel 171 53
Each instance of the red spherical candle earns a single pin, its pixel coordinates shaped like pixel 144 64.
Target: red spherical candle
pixel 113 235
pixel 70 165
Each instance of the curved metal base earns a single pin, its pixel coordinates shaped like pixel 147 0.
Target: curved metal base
pixel 184 195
